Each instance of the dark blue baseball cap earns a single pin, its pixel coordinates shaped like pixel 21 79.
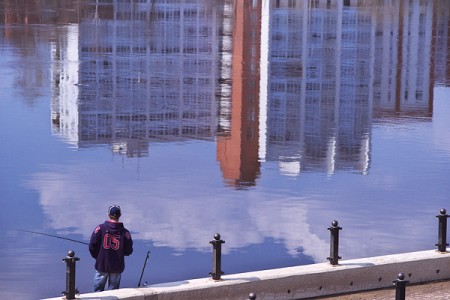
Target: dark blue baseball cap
pixel 114 211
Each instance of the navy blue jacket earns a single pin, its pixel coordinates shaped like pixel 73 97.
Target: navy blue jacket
pixel 110 243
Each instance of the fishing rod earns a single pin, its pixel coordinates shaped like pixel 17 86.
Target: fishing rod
pixel 55 236
pixel 143 268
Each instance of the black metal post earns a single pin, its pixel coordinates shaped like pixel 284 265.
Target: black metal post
pixel 251 296
pixel 70 275
pixel 334 243
pixel 217 257
pixel 400 283
pixel 442 231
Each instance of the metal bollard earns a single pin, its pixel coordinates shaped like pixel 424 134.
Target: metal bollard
pixel 217 257
pixel 334 243
pixel 70 275
pixel 400 283
pixel 442 231
pixel 251 296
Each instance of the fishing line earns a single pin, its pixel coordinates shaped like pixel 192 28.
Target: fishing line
pixel 55 236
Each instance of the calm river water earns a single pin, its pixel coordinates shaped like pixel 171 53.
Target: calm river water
pixel 263 121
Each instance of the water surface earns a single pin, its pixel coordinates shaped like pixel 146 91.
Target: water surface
pixel 260 121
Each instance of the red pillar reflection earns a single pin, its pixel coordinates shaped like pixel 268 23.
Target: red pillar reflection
pixel 238 151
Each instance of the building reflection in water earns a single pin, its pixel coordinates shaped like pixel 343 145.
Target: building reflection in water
pixel 237 143
pixel 295 82
pixel 146 73
pixel 335 65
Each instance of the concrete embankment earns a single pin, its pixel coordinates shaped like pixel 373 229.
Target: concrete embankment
pixel 300 282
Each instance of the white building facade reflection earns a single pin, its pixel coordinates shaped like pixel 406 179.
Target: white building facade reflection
pixel 333 66
pixel 146 73
pixel 162 72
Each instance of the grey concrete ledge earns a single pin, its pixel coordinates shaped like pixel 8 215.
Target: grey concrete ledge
pixel 301 282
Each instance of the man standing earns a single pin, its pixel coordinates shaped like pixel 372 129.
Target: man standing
pixel 110 243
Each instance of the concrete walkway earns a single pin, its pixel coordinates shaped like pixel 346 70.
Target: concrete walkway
pixel 365 278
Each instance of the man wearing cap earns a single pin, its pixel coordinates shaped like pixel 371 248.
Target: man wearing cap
pixel 110 243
